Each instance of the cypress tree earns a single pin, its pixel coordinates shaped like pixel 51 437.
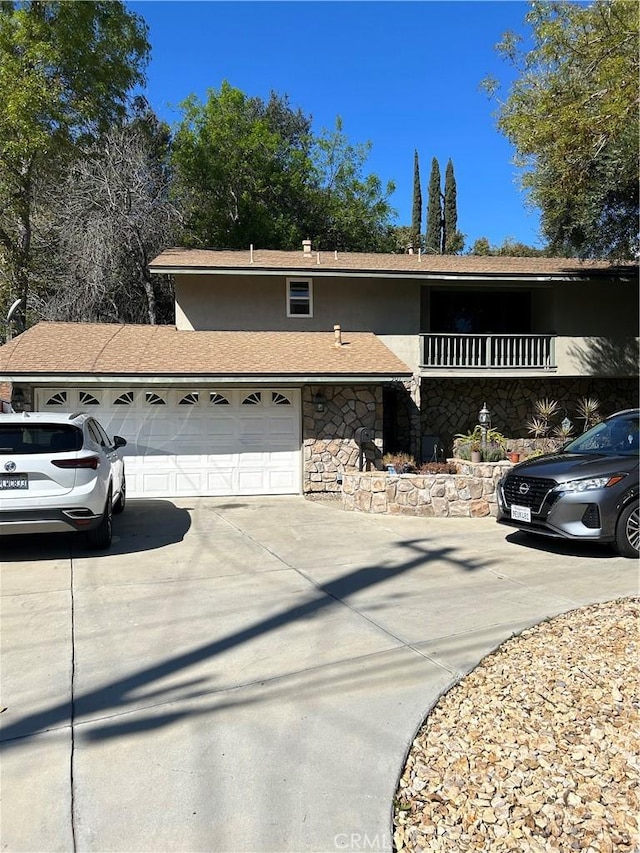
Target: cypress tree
pixel 433 241
pixel 450 219
pixel 416 212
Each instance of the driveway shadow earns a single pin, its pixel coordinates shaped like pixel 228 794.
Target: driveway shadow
pixel 144 526
pixel 119 695
pixel 562 547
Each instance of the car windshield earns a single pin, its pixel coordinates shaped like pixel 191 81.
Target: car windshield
pixel 39 438
pixel 619 436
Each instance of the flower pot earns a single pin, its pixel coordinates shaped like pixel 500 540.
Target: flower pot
pixel 513 457
pixel 476 456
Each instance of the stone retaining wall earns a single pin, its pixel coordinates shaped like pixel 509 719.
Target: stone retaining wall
pixel 471 493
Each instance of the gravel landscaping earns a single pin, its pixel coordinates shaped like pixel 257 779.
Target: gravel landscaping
pixel 537 748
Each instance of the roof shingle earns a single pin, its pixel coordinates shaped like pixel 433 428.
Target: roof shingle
pixel 211 260
pixel 107 349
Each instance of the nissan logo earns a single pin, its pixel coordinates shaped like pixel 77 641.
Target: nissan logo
pixel 523 488
pixel 9 467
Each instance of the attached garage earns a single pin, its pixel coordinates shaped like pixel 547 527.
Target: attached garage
pixel 211 413
pixel 197 441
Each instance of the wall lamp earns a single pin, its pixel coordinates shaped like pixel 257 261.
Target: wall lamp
pixel 319 402
pixel 484 417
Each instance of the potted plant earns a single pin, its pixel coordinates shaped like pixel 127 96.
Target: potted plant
pixel 513 456
pixel 476 451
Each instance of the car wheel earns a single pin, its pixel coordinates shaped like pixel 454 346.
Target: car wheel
pixel 118 506
pixel 628 531
pixel 100 536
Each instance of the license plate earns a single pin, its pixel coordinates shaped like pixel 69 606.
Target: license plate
pixel 521 513
pixel 14 481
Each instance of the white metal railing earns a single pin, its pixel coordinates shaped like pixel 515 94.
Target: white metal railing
pixel 520 352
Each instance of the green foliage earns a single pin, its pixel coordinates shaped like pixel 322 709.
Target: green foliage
pixel 433 240
pixel 65 72
pixel 416 210
pixel 572 116
pixel 492 451
pixel 510 248
pixel 241 166
pixel 351 210
pixel 250 172
pixel 452 239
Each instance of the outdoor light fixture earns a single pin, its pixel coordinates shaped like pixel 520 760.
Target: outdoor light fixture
pixel 18 400
pixel 484 419
pixel 319 402
pixel 484 416
pixel 566 425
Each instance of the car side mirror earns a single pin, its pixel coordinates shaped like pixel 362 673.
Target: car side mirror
pixel 119 441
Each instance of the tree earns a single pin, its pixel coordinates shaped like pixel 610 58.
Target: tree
pixel 351 210
pixel 65 72
pixel 416 212
pixel 112 216
pixel 572 115
pixel 249 172
pixel 242 168
pixel 510 248
pixel 452 239
pixel 433 241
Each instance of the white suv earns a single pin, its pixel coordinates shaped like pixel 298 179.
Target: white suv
pixel 59 472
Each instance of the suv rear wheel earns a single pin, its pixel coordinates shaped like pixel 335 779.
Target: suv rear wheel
pixel 628 531
pixel 100 536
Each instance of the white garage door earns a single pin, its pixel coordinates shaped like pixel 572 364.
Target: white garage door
pixel 197 442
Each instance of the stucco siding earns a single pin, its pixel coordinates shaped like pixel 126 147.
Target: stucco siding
pixel 255 303
pixel 597 308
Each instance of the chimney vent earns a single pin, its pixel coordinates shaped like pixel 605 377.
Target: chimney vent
pixel 337 331
pixel 306 247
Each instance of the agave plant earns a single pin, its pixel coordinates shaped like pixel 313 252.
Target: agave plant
pixel 546 408
pixel 588 411
pixel 563 432
pixel 537 427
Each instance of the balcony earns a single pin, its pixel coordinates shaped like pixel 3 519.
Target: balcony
pixel 488 352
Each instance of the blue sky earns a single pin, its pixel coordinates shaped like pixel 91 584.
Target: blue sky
pixel 403 75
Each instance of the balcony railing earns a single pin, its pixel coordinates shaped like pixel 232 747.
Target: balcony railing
pixel 515 352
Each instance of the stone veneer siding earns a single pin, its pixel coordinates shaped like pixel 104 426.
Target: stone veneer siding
pixel 328 437
pixel 471 493
pixel 450 405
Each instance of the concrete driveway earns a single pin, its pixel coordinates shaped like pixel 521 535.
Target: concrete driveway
pixel 247 674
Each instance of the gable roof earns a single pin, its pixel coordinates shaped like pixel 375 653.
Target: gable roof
pixel 52 349
pixel 267 261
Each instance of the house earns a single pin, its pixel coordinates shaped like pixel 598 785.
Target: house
pixel 277 358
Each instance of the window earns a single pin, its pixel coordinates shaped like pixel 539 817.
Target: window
pixel 254 399
pixel 87 399
pixel 154 399
pixel 125 399
pixel 299 297
pixel 217 399
pixel 190 399
pixel 59 399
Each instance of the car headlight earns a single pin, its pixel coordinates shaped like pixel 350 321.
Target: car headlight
pixel 588 484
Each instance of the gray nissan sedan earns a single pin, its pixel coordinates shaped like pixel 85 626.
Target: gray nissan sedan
pixel 586 491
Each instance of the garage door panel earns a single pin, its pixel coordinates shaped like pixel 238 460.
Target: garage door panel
pixel 201 447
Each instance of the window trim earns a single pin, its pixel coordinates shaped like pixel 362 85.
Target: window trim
pixel 299 280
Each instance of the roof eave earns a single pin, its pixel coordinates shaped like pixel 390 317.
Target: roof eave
pixel 427 275
pixel 204 378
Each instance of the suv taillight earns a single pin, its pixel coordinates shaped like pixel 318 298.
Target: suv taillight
pixel 83 462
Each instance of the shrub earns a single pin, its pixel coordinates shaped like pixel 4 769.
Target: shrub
pixel 404 463
pixel 437 468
